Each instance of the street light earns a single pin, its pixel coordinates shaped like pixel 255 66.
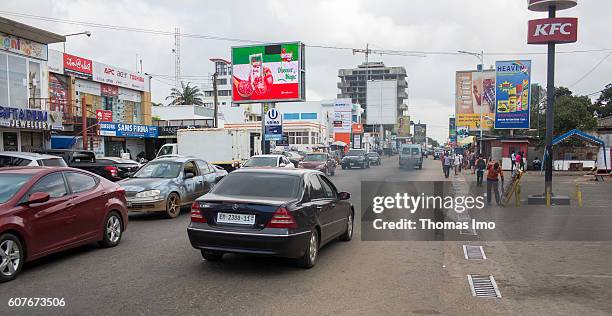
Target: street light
pixel 480 57
pixel 88 33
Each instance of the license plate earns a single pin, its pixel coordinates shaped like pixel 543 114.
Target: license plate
pixel 232 218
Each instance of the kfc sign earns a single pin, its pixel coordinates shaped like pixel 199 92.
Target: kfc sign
pixel 77 64
pixel 119 77
pixel 552 30
pixel 542 5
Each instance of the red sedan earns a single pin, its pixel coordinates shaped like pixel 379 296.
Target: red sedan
pixel 45 210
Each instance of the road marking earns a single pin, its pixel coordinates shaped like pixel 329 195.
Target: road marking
pixel 602 276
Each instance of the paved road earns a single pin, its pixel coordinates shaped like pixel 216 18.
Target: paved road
pixel 155 271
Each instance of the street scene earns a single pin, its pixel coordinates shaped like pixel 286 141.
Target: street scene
pixel 392 158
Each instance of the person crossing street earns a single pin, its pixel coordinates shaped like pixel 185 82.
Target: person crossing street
pixel 479 166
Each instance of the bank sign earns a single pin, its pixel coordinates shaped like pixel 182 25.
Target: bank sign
pixel 273 125
pixel 268 73
pixel 128 130
pixel 512 94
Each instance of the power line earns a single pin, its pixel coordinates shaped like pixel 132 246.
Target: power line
pixel 591 70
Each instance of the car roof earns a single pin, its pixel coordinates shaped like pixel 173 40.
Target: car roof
pixel 27 155
pixel 296 172
pixel 174 159
pixel 33 169
pixel 268 155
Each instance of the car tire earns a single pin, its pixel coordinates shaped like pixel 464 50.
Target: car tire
pixel 13 257
pixel 211 255
pixel 348 234
pixel 113 230
pixel 309 259
pixel 173 205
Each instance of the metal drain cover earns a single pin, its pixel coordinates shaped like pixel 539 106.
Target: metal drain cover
pixel 474 252
pixel 483 286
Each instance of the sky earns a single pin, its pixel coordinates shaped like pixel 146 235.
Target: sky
pixel 499 28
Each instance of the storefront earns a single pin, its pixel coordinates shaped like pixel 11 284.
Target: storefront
pixel 26 129
pixel 122 138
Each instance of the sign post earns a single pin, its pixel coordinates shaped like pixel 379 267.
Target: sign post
pixel 272 127
pixel 551 31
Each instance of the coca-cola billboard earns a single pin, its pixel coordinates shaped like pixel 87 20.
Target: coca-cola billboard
pixel 77 64
pixel 552 30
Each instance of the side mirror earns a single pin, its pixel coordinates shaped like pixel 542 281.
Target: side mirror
pixel 37 197
pixel 344 195
pixel 189 175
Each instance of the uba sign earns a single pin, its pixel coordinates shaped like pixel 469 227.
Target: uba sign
pixel 552 30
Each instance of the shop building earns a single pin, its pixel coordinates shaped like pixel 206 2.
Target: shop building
pixel 26 119
pixel 117 106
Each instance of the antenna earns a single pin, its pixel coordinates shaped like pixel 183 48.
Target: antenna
pixel 177 56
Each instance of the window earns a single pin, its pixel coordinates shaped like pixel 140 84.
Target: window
pixel 314 138
pixel 8 161
pixel 298 137
pixel 208 94
pixel 316 190
pixel 328 188
pixel 4 96
pixel 52 162
pixel 10 183
pixel 34 85
pixel 190 167
pixel 17 81
pixel 52 184
pixel 224 93
pixel 204 169
pixel 80 182
pixel 255 184
pixel 222 81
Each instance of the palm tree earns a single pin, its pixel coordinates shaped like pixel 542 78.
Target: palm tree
pixel 186 95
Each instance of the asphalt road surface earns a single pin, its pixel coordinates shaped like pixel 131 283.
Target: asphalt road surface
pixel 155 271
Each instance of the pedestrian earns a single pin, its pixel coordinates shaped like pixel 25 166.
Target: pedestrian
pixel 494 172
pixel 457 163
pixel 522 161
pixel 518 159
pixel 512 160
pixel 480 167
pixel 473 159
pixel 446 163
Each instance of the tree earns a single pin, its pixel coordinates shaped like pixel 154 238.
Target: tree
pixel 603 106
pixel 433 142
pixel 186 95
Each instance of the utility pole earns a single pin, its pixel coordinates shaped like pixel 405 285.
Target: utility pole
pixel 84 121
pixel 215 99
pixel 177 56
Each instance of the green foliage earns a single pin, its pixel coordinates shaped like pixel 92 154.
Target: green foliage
pixel 186 95
pixel 603 105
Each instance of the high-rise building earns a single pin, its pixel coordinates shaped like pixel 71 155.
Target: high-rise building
pixel 353 84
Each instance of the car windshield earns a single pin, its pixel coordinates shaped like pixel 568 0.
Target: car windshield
pixel 159 169
pixel 10 183
pixel 315 157
pixel 355 153
pixel 261 162
pixel 52 162
pixel 260 185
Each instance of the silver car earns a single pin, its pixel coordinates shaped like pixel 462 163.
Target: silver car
pixel 167 184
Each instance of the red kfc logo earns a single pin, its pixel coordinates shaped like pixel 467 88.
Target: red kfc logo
pixel 552 30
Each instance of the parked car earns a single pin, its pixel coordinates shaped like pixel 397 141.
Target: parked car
pixel 411 156
pixel 294 157
pixel 374 158
pixel 319 161
pixel 47 210
pixel 277 161
pixel 113 169
pixel 167 184
pixel 355 158
pixel 437 154
pixel 277 212
pixel 17 159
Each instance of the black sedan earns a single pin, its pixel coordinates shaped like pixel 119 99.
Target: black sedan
pixel 278 212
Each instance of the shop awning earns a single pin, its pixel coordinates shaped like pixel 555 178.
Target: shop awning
pixel 467 140
pixel 62 142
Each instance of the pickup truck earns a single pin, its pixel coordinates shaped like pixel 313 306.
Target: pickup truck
pixel 111 168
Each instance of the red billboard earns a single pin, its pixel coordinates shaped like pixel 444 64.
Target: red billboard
pixel 77 64
pixel 552 30
pixel 104 115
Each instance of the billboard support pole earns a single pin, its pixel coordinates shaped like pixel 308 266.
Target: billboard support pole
pixel 265 144
pixel 550 102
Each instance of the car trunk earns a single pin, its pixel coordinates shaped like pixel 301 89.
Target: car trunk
pixel 125 170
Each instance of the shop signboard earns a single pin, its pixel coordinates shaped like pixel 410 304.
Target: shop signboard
pixel 128 130
pixel 342 116
pixel 171 130
pixel 78 66
pixel 21 46
pixel 104 115
pixel 512 94
pixel 273 125
pixel 24 118
pixel 268 73
pixel 357 128
pixel 119 77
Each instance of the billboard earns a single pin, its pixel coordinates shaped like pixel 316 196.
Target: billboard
pixel 512 94
pixel 420 133
pixel 273 125
pixel 402 126
pixel 452 133
pixel 342 115
pixel 381 102
pixel 268 73
pixel 475 95
pixel 119 77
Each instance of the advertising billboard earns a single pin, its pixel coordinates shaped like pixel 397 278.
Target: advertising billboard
pixel 452 133
pixel 119 77
pixel 512 94
pixel 420 133
pixel 268 73
pixel 342 115
pixel 475 95
pixel 402 126
pixel 381 102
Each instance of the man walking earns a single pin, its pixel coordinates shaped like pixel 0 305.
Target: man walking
pixel 446 163
pixel 480 167
pixel 494 172
pixel 512 161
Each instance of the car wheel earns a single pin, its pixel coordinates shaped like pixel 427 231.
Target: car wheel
pixel 348 234
pixel 173 205
pixel 309 259
pixel 11 257
pixel 211 255
pixel 113 230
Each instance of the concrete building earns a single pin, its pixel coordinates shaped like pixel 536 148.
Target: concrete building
pixel 170 119
pixel 353 85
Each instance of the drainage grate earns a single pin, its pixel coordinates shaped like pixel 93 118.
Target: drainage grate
pixel 474 252
pixel 483 286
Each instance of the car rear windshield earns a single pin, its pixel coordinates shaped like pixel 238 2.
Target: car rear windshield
pixel 259 185
pixel 372 155
pixel 355 153
pixel 410 151
pixel 316 157
pixel 261 162
pixel 163 169
pixel 52 162
pixel 10 183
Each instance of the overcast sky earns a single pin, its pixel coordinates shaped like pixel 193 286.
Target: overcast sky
pixel 498 26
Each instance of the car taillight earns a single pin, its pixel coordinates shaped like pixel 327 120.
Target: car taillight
pixel 282 219
pixel 196 214
pixel 113 170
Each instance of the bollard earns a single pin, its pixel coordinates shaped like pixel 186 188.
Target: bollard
pixel 547 199
pixel 517 195
pixel 578 195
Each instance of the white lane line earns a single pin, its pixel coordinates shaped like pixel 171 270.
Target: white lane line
pixel 601 276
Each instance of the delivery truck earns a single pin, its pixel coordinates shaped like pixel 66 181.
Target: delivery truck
pixel 227 148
